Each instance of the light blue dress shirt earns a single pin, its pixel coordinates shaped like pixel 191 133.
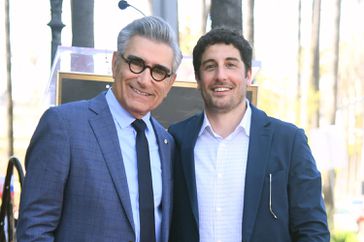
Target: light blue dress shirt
pixel 127 135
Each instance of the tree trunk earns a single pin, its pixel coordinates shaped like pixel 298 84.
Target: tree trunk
pixel 9 82
pixel 227 13
pixel 82 34
pixel 299 64
pixel 314 105
pixel 336 57
pixel 82 23
pixel 330 175
pixel 250 21
pixel 205 13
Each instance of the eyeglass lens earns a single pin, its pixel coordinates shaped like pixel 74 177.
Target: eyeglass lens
pixel 137 66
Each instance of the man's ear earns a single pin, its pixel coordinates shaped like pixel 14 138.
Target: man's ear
pixel 169 84
pixel 115 63
pixel 197 78
pixel 248 77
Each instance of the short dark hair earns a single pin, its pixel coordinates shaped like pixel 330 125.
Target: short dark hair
pixel 222 35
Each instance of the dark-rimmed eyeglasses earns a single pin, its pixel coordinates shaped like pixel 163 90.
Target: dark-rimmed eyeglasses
pixel 137 66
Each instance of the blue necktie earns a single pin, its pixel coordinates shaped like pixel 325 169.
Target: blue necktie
pixel 146 201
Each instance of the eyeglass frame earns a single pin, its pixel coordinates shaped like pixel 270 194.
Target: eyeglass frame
pixel 145 66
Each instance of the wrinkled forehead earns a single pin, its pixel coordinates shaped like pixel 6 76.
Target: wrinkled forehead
pixel 151 51
pixel 220 51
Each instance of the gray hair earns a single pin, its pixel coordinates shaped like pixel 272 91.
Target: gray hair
pixel 153 28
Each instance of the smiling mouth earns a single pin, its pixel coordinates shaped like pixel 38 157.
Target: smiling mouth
pixel 140 92
pixel 221 89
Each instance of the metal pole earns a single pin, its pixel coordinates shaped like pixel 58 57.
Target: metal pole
pixel 56 25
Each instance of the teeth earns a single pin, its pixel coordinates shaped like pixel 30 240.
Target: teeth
pixel 221 89
pixel 140 92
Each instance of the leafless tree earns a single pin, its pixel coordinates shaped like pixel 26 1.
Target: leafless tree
pixel 299 63
pixel 314 116
pixel 250 21
pixel 10 105
pixel 336 57
pixel 330 175
pixel 205 13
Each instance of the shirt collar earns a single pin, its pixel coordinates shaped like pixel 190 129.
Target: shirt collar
pixel 120 115
pixel 244 123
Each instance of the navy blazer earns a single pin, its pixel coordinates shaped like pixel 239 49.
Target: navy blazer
pixel 75 188
pixel 276 148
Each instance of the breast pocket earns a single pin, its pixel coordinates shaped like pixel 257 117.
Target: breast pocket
pixel 276 193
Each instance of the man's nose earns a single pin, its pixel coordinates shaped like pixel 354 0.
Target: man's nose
pixel 221 73
pixel 146 75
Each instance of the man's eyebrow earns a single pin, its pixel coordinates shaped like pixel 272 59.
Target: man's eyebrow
pixel 135 57
pixel 226 59
pixel 232 59
pixel 163 67
pixel 207 61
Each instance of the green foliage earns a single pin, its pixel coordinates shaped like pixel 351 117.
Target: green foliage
pixel 344 236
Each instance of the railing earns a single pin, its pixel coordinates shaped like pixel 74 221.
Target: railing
pixel 7 220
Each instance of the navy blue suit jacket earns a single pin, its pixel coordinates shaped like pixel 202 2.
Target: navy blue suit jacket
pixel 275 148
pixel 75 188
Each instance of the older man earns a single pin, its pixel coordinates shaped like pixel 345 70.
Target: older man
pixel 100 170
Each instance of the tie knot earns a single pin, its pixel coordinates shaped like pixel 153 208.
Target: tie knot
pixel 139 125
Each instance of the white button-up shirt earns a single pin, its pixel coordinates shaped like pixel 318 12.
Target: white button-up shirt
pixel 220 166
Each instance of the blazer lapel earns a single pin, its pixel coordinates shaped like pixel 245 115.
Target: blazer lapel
pixel 165 150
pixel 259 145
pixel 188 161
pixel 106 134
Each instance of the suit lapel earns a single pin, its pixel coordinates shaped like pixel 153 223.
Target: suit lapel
pixel 259 145
pixel 188 161
pixel 165 150
pixel 104 128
